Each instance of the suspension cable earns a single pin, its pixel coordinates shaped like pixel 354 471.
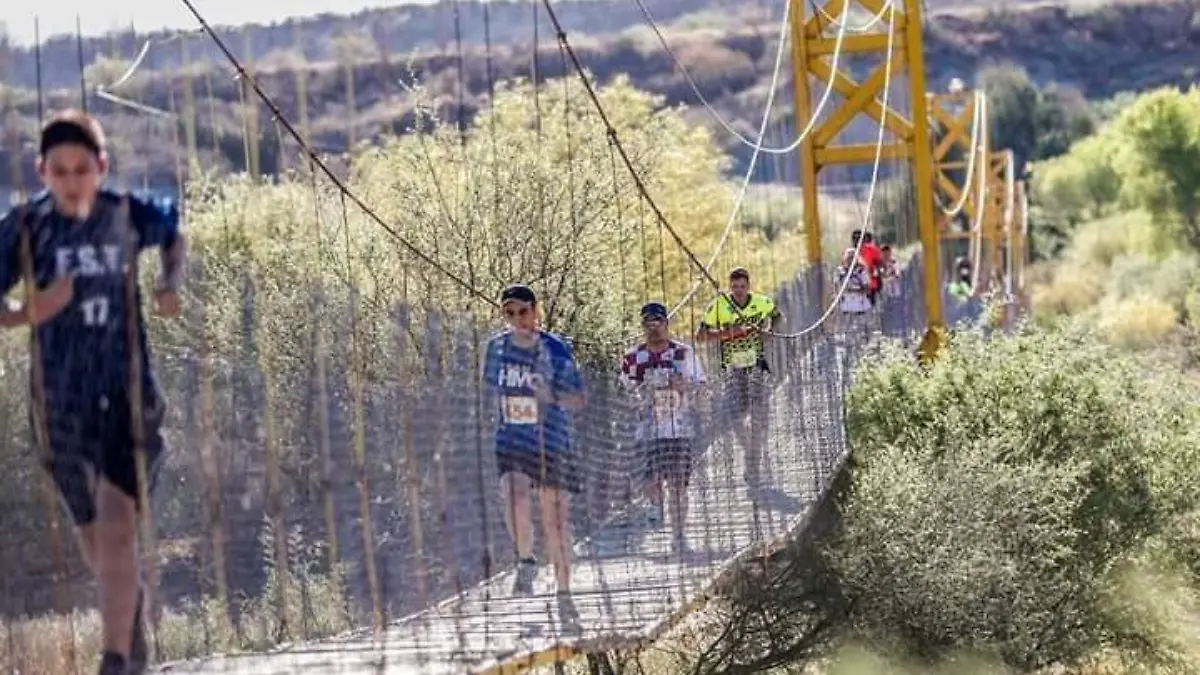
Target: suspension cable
pixel 980 208
pixel 312 155
pixel 871 190
pixel 833 20
pixel 749 175
pixel 979 107
pixel 612 134
pixel 83 95
pixel 757 146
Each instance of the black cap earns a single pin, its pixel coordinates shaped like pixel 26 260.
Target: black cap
pixel 518 292
pixel 654 310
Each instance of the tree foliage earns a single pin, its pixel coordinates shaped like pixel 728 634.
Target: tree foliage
pixel 995 495
pixel 531 191
pixel 1148 157
pixel 1033 122
pixel 1161 162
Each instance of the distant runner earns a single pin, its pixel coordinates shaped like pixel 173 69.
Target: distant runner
pixel 537 382
pixel 740 326
pixel 872 257
pixel 890 273
pixel 665 373
pixel 960 285
pixel 855 303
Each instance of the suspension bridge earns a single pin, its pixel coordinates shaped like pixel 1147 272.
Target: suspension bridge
pixel 332 505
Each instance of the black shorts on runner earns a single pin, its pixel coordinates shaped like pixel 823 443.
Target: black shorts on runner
pixel 745 390
pixel 554 469
pixel 98 441
pixel 668 459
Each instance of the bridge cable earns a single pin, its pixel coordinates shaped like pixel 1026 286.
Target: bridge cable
pixel 871 191
pixel 976 251
pixel 869 25
pixel 717 117
pixel 342 187
pixel 480 480
pixel 971 159
pixel 39 410
pixel 748 176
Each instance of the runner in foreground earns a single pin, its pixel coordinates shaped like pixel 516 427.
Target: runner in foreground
pixel 666 373
pixel 740 328
pixel 537 383
pixel 76 243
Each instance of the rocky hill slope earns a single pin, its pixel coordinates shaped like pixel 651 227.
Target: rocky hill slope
pixel 1102 51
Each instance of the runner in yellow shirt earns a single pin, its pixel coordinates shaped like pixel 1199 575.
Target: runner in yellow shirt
pixel 739 322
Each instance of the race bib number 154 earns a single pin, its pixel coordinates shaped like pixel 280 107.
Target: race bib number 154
pixel 520 410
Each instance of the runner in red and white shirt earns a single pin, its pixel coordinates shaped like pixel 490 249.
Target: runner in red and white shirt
pixel 665 375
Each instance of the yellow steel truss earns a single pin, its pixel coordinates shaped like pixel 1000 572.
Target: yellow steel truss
pixel 811 51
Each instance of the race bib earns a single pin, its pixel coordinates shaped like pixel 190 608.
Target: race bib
pixel 520 410
pixel 744 358
pixel 666 403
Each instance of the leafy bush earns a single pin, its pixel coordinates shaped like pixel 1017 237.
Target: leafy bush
pixel 996 495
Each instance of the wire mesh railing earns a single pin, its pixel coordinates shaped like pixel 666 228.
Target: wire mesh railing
pixel 264 499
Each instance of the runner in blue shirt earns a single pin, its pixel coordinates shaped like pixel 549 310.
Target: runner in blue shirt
pixel 537 385
pixel 74 246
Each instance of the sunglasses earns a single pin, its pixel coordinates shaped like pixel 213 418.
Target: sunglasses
pixel 653 321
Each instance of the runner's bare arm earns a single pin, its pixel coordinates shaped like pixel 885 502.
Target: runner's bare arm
pixel 174 264
pixel 47 304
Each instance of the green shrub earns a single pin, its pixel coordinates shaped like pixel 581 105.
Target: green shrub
pixel 996 494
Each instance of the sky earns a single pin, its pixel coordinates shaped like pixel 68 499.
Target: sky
pixel 58 16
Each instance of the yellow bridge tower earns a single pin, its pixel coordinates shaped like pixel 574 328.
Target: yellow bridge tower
pixel 812 56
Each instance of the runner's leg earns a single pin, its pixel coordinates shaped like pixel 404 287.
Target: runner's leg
pixel 116 564
pixel 759 420
pixel 556 525
pixel 653 477
pixel 516 489
pixel 680 475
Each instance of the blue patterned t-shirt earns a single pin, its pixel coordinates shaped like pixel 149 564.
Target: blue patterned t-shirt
pixel 510 371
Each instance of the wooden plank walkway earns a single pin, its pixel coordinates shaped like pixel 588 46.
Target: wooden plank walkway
pixel 627 583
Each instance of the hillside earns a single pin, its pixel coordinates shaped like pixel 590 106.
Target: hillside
pixel 1100 51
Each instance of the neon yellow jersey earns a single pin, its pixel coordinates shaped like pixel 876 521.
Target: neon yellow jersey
pixel 745 352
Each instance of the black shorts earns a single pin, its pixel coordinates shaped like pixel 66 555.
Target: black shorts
pixel 95 441
pixel 552 469
pixel 744 390
pixel 667 459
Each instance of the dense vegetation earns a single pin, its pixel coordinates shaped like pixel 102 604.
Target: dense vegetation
pixel 1121 206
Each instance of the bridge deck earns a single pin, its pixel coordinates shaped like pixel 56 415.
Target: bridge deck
pixel 627 583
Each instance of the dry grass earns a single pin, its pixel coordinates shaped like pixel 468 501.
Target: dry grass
pixel 1140 322
pixel 69 644
pixel 1070 293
